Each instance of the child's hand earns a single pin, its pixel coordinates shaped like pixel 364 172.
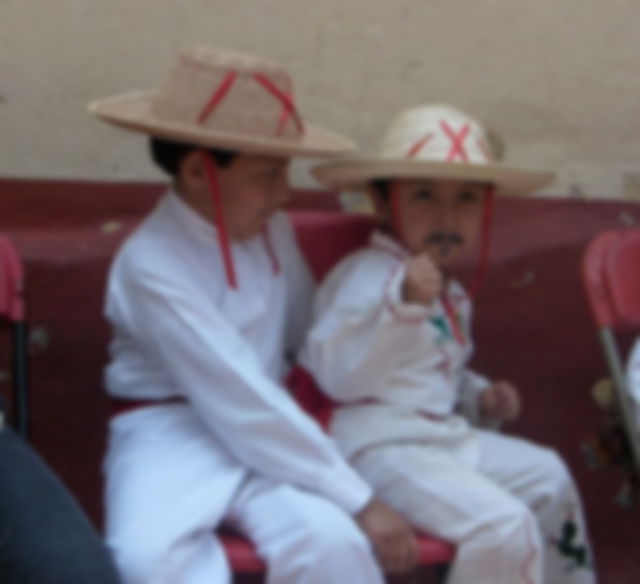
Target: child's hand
pixel 392 538
pixel 501 401
pixel 423 280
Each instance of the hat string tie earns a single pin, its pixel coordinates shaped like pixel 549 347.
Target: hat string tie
pixel 220 223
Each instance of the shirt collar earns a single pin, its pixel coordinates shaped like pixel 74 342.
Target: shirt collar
pixel 188 218
pixel 384 242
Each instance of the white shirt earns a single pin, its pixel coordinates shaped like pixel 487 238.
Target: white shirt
pixel 633 379
pixel 397 368
pixel 180 330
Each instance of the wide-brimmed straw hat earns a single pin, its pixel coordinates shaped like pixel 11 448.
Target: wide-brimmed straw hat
pixel 223 99
pixel 433 141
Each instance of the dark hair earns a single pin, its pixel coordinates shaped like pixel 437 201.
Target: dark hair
pixel 168 154
pixel 381 187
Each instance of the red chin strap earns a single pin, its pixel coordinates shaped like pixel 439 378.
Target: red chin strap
pixel 221 226
pixel 485 241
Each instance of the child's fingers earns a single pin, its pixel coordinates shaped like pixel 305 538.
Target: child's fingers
pixel 509 401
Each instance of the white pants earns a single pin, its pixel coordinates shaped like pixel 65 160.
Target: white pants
pixel 169 485
pixel 512 517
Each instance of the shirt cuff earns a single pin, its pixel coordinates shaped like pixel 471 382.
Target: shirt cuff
pixel 345 488
pixel 399 309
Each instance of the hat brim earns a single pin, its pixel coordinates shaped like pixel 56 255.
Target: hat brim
pixel 133 111
pixel 357 174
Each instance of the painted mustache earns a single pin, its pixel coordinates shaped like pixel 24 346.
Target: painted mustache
pixel 445 240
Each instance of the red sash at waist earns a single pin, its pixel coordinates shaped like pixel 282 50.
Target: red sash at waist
pixel 121 405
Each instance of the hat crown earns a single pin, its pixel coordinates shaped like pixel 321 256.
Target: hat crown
pixel 437 133
pixel 226 91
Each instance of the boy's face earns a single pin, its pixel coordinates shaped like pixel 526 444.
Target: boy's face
pixel 442 217
pixel 252 187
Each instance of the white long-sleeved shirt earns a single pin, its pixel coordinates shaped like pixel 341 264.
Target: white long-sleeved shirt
pixel 180 330
pixel 397 368
pixel 633 379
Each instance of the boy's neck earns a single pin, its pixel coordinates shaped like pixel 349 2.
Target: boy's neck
pixel 197 202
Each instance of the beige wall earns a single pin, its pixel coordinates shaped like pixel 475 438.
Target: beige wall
pixel 559 79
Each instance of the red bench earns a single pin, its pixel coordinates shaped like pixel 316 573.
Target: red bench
pixel 244 560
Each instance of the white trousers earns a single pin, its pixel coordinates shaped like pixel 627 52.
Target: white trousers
pixel 169 485
pixel 516 516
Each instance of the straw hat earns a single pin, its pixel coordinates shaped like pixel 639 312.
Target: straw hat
pixel 433 141
pixel 224 99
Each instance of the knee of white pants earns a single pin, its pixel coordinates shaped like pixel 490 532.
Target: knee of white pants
pixel 139 559
pixel 556 481
pixel 515 533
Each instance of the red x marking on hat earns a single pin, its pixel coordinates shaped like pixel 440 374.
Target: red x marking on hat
pixel 419 145
pixel 457 141
pixel 217 96
pixel 286 99
pixel 484 148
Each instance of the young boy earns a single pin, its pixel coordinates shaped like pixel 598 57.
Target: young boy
pixel 204 299
pixel 391 342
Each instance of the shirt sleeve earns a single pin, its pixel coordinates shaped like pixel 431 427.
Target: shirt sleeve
pixel 218 372
pixel 300 287
pixel 362 331
pixel 633 377
pixel 471 386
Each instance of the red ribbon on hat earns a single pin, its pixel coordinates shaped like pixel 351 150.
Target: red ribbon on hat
pixel 218 95
pixel 289 110
pixel 286 99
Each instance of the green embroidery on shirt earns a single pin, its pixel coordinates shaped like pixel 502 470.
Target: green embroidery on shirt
pixel 440 322
pixel 571 547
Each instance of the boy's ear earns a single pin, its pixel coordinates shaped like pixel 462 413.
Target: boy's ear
pixel 192 171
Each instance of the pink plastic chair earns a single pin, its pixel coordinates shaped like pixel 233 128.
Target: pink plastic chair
pixel 12 311
pixel 611 275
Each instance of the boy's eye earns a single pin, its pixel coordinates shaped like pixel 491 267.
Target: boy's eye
pixel 268 175
pixel 423 195
pixel 469 196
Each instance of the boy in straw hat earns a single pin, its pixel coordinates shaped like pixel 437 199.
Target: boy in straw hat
pixel 391 342
pixel 204 299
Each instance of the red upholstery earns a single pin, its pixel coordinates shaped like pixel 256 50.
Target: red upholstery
pixel 12 311
pixel 244 559
pixel 11 282
pixel 532 325
pixel 611 273
pixel 325 237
